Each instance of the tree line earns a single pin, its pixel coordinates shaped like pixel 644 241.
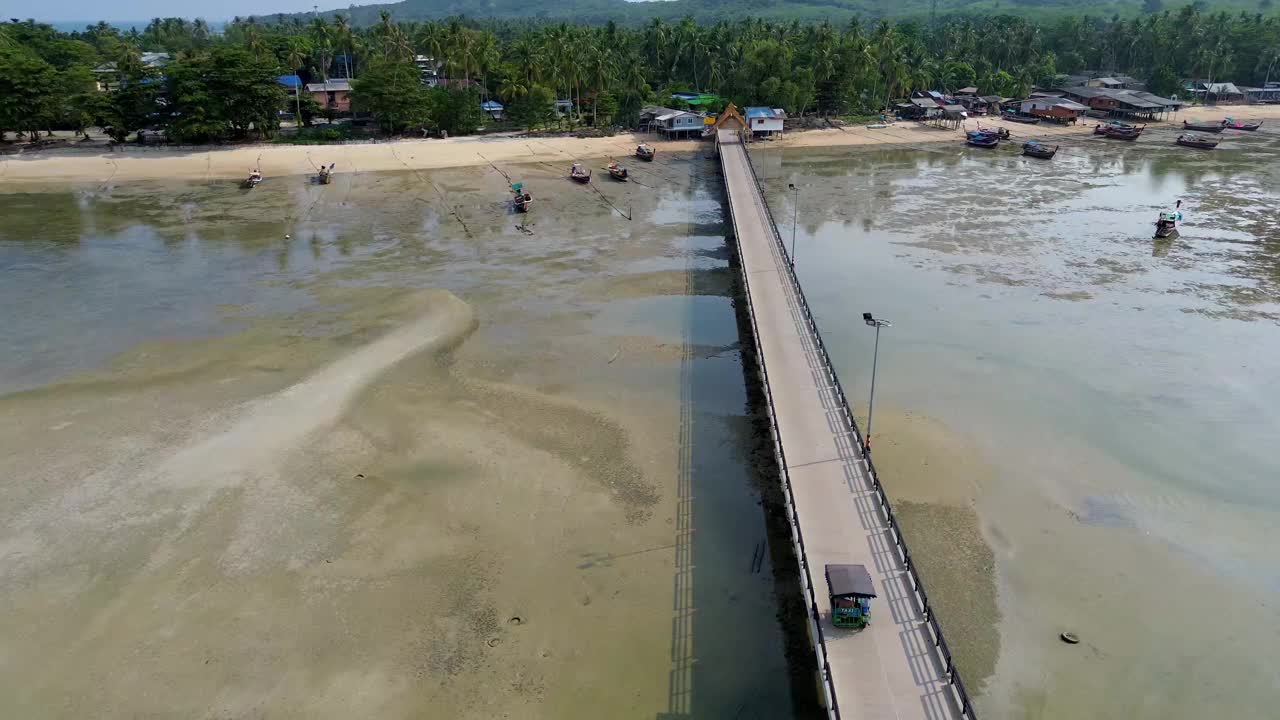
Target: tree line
pixel 221 86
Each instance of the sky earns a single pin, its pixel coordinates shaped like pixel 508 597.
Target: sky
pixel 142 10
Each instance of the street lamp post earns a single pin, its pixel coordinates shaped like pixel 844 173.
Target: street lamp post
pixel 795 208
pixel 876 323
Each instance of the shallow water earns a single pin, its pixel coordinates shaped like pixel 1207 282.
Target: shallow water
pixel 1107 404
pixel 374 450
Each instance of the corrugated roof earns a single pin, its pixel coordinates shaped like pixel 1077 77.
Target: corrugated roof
pixel 1222 89
pixel 1070 105
pixel 1166 102
pixel 290 81
pixel 330 86
pixel 490 105
pixel 761 112
pixel 1087 92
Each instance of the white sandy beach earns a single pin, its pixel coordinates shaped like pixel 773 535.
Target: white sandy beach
pixel 142 163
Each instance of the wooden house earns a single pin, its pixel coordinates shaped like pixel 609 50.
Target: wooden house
pixel 730 119
pixel 764 121
pixel 333 95
pixel 1056 109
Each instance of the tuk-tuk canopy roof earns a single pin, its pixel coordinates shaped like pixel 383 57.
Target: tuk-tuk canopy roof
pixel 849 580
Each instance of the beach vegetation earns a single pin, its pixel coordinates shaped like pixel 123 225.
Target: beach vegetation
pixel 222 85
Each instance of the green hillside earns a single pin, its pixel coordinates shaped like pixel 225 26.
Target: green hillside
pixel 598 12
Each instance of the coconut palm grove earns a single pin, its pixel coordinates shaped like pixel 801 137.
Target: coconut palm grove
pixel 226 84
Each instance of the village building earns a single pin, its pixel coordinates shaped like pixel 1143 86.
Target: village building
pixel 332 95
pixel 1105 82
pixel 976 104
pixel 428 70
pixel 1219 93
pixel 730 119
pixel 105 74
pixel 1099 79
pixel 1122 103
pixel 1057 109
pixel 672 123
pixel 492 108
pixel 764 121
pixel 921 108
pixel 1262 95
pixel 698 101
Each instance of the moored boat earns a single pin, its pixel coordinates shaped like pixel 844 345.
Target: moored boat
pixel 1038 150
pixel 1025 119
pixel 521 199
pixel 1167 223
pixel 579 175
pixel 617 172
pixel 1234 125
pixel 983 139
pixel 1000 133
pixel 644 152
pixel 1199 142
pixel 251 182
pixel 1103 129
pixel 1123 133
pixel 325 176
pixel 1209 127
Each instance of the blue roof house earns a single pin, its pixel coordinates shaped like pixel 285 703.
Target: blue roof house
pixel 764 120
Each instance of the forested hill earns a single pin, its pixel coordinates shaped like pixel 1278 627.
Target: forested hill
pixel 599 12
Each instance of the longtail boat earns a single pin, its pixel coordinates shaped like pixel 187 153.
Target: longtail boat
pixel 1167 223
pixel 1214 127
pixel 1233 125
pixel 521 199
pixel 1129 133
pixel 983 139
pixel 1198 141
pixel 1038 150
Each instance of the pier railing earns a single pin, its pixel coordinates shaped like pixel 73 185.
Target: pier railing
pixel 793 517
pixel 940 643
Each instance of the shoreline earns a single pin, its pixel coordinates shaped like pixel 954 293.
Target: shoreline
pixel 230 163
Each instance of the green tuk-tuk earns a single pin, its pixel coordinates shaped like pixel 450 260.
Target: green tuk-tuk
pixel 851 591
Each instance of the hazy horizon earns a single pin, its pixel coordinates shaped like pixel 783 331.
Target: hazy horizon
pixel 82 12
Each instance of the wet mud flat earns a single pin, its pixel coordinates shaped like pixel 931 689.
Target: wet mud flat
pixel 381 448
pixel 1073 420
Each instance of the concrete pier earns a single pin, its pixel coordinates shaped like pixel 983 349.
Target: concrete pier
pixel 899 666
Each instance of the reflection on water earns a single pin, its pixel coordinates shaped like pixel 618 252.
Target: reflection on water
pixel 1125 391
pixel 580 460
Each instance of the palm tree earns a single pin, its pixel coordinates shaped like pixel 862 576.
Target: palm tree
pixel 296 59
pixel 600 72
pixel 526 54
pixel 342 33
pixel 1269 57
pixel 513 87
pixel 322 42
